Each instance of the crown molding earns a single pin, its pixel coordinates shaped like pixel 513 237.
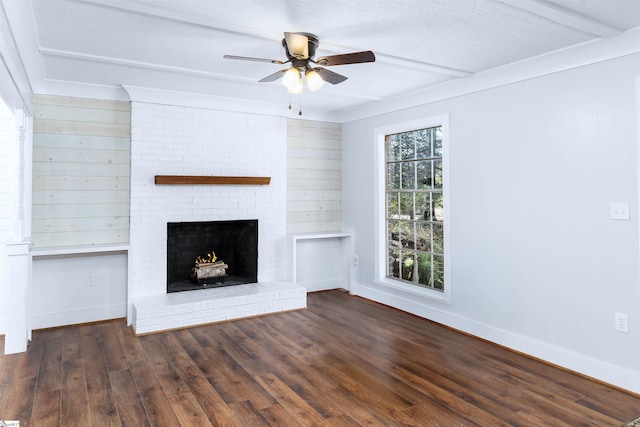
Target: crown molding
pixel 212 102
pixel 81 90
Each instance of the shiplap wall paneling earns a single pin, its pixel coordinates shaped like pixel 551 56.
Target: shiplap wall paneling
pixel 81 163
pixel 314 181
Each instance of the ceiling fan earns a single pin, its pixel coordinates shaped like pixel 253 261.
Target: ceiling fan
pixel 300 49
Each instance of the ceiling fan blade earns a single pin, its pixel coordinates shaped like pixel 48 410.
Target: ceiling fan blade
pixel 248 58
pixel 297 44
pixel 273 77
pixel 347 58
pixel 329 76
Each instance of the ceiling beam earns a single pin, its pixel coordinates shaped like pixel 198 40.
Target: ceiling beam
pixel 565 17
pixel 422 66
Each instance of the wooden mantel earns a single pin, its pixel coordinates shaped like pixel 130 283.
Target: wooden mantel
pixel 211 180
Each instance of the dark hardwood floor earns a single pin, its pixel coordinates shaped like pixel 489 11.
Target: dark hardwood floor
pixel 344 361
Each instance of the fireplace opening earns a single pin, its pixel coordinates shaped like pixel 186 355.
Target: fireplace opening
pixel 227 249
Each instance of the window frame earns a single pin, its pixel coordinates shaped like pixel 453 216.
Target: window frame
pixel 380 224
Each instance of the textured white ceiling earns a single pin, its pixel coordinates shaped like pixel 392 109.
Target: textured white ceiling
pixel 179 45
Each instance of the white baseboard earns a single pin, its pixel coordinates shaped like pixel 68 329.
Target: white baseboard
pixel 324 285
pixel 615 375
pixel 51 320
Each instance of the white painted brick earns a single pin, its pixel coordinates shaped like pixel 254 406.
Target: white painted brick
pixel 215 318
pixel 161 312
pixel 294 303
pixel 174 140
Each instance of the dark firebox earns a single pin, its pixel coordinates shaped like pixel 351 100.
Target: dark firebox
pixel 234 242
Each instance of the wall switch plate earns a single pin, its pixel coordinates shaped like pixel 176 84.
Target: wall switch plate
pixel 355 260
pixel 619 211
pixel 622 323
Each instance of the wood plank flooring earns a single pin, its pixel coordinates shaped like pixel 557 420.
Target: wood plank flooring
pixel 344 361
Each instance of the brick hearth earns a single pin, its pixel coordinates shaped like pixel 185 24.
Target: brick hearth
pixel 181 309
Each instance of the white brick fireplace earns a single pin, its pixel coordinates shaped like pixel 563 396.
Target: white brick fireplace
pixel 175 140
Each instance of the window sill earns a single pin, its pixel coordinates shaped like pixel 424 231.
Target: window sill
pixel 430 294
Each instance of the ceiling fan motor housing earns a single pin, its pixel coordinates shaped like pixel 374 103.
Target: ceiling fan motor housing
pixel 312 43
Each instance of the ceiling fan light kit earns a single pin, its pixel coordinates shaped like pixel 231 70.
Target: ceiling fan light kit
pixel 314 81
pixel 300 49
pixel 292 80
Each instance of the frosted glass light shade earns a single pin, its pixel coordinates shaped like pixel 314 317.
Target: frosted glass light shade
pixel 314 81
pixel 292 80
pixel 296 87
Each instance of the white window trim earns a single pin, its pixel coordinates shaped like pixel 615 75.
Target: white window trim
pixel 380 208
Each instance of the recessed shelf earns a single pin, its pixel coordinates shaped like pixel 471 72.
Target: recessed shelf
pixel 76 250
pixel 342 259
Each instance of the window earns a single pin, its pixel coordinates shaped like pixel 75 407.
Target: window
pixel 415 208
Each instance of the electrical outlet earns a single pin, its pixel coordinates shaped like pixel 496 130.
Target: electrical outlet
pixel 355 260
pixel 622 323
pixel 619 211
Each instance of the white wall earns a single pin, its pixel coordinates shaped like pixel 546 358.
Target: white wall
pixel 75 289
pixel 172 140
pixel 537 265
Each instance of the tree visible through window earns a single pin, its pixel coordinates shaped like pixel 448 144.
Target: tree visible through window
pixel 415 207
